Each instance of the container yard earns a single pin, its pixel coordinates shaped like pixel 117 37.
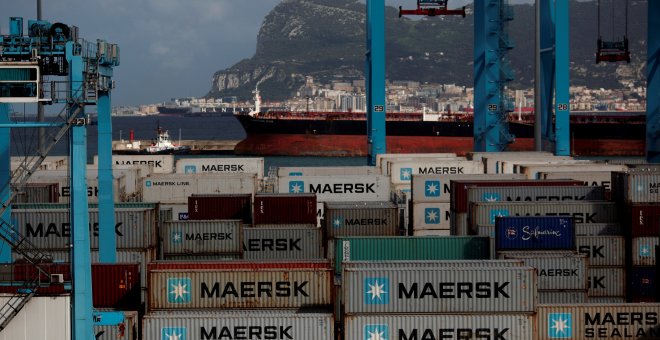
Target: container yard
pixel 385 209
pixel 529 251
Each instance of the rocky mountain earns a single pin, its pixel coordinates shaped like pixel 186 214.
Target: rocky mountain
pixel 326 39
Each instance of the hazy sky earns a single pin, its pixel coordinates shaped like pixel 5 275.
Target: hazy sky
pixel 169 48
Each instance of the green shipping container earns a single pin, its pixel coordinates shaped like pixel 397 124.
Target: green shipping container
pixel 410 248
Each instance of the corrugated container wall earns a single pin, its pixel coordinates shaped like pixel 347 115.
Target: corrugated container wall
pixel 638 187
pixel 643 283
pixel 283 243
pixel 38 193
pixel 202 237
pixel 338 188
pixel 410 248
pixel 50 228
pixel 427 215
pixel 591 178
pixel 526 233
pixel 402 172
pixel 285 209
pixel 413 290
pixel 402 326
pixel 221 165
pixel 484 213
pixel 563 296
pixel 555 271
pixel 603 250
pixel 535 194
pixel 253 324
pixel 607 281
pixel 127 330
pixel 220 207
pixel 598 321
pixel 249 286
pixel 174 188
pixel 43 318
pixel 328 171
pixel 644 219
pixel 160 164
pixel 361 219
pixel 644 251
pixel 428 264
pixel 436 188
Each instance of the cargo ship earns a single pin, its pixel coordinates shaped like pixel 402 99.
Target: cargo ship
pixel 292 133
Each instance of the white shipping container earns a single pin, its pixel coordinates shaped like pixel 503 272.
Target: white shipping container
pixel 176 188
pixel 421 326
pixel 402 172
pixel 414 290
pixel 492 161
pixel 603 250
pixel 431 216
pixel 247 324
pixel 590 178
pixel 221 165
pixel 516 166
pixel 62 178
pixel 607 281
pixel 598 321
pixel 562 296
pixel 436 188
pixel 532 171
pixel 643 251
pixel 383 159
pixel 338 188
pixel 43 318
pixel 328 171
pixel 431 232
pixel 160 164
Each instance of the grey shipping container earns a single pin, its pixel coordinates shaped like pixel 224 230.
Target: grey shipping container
pixel 607 281
pixel 361 219
pixel 414 290
pixel 429 215
pixel 643 251
pixel 602 250
pixel 203 237
pixel 598 229
pixel 127 330
pixel 562 296
pixel 484 213
pixel 436 188
pixel 135 228
pixel 280 243
pixel 535 194
pixel 403 326
pixel 245 324
pixel 598 321
pixel 239 288
pixel 555 271
pixel 606 299
pixel 636 187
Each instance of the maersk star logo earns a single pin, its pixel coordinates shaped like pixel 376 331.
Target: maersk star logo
pixel 432 215
pixel 498 213
pixel 432 188
pixel 296 187
pixel 173 333
pixel 376 332
pixel 147 183
pixel 338 222
pixel 376 291
pixel 645 250
pixel 190 169
pixel 178 290
pixel 177 237
pixel 491 197
pixel 560 325
pixel 406 173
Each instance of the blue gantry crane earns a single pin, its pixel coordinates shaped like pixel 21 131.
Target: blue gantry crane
pixel 81 75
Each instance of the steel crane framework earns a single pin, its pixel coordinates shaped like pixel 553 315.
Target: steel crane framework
pixel 85 79
pixel 552 130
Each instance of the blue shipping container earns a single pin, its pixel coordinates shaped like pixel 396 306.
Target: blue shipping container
pixel 643 282
pixel 534 232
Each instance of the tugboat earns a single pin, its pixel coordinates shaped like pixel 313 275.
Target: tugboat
pixel 161 146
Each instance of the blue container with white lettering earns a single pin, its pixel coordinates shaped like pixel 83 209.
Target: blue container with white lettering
pixel 534 232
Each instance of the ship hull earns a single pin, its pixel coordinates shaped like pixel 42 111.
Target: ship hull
pixel 311 137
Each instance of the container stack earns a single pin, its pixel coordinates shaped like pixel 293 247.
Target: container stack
pixel 547 244
pixel 638 194
pixel 240 299
pixel 432 300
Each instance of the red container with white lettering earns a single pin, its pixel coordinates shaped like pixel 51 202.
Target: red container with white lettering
pixel 644 219
pixel 240 285
pixel 220 207
pixel 272 209
pixel 459 189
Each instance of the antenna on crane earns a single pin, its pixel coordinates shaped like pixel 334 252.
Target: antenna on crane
pixel 432 8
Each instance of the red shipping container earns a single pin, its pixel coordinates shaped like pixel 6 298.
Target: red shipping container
pixel 285 209
pixel 459 188
pixel 644 219
pixel 113 285
pixel 220 207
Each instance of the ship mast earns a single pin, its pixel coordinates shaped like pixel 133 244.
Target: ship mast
pixel 257 102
